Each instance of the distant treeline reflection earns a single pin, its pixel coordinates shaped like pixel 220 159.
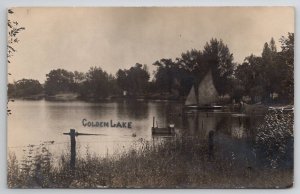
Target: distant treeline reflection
pixel 264 77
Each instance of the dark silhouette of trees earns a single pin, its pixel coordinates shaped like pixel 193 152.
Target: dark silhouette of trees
pixel 135 80
pixel 215 57
pixel 96 84
pixel 261 77
pixel 286 58
pixel 271 70
pixel 269 74
pixel 219 59
pixel 172 77
pixel 167 72
pixel 193 62
pixel 59 81
pixel 122 79
pixel 11 90
pixel 24 88
pixel 251 75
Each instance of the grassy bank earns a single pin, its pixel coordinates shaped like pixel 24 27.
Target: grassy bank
pixel 180 163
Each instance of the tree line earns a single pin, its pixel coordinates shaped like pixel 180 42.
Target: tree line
pixel 269 74
pixel 262 78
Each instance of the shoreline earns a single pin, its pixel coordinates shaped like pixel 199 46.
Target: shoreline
pixel 180 163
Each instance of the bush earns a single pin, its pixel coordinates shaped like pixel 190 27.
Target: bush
pixel 275 137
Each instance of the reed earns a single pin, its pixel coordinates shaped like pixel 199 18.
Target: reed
pixel 183 162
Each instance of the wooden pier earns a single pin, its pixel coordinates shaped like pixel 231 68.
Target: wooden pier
pixel 169 130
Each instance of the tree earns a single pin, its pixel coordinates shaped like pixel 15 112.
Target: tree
pixel 252 76
pixel 13 30
pixel 96 84
pixel 286 56
pixel 246 73
pixel 79 78
pixel 135 80
pixel 138 77
pixel 59 81
pixel 192 61
pixel 273 46
pixel 270 73
pixel 122 80
pixel 113 85
pixel 218 58
pixel 11 90
pixel 193 65
pixel 165 74
pixel 25 87
pixel 172 77
pixel 271 70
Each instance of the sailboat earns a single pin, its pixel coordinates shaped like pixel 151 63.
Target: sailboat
pixel 205 96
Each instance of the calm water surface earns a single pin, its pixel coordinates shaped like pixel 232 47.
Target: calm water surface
pixel 34 122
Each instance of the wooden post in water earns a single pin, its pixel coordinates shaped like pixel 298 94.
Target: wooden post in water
pixel 73 148
pixel 153 121
pixel 73 134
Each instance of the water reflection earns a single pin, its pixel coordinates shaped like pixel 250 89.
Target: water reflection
pixel 235 125
pixel 36 121
pixel 133 109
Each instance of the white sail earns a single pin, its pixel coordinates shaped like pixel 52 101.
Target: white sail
pixel 207 92
pixel 191 98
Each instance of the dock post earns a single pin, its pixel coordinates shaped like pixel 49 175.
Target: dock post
pixel 73 148
pixel 72 135
pixel 153 121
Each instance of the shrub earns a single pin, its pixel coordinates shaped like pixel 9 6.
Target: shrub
pixel 275 137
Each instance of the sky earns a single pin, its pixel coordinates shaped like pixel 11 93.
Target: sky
pixel 118 38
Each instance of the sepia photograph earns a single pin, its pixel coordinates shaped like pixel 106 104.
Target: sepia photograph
pixel 150 97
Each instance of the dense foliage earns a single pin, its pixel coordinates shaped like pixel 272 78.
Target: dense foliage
pixel 267 78
pixel 261 77
pixel 275 137
pixel 59 80
pixel 134 80
pixel 25 87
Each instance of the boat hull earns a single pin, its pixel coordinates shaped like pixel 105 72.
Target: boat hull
pixel 196 107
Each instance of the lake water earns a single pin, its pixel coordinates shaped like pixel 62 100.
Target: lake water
pixel 34 122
